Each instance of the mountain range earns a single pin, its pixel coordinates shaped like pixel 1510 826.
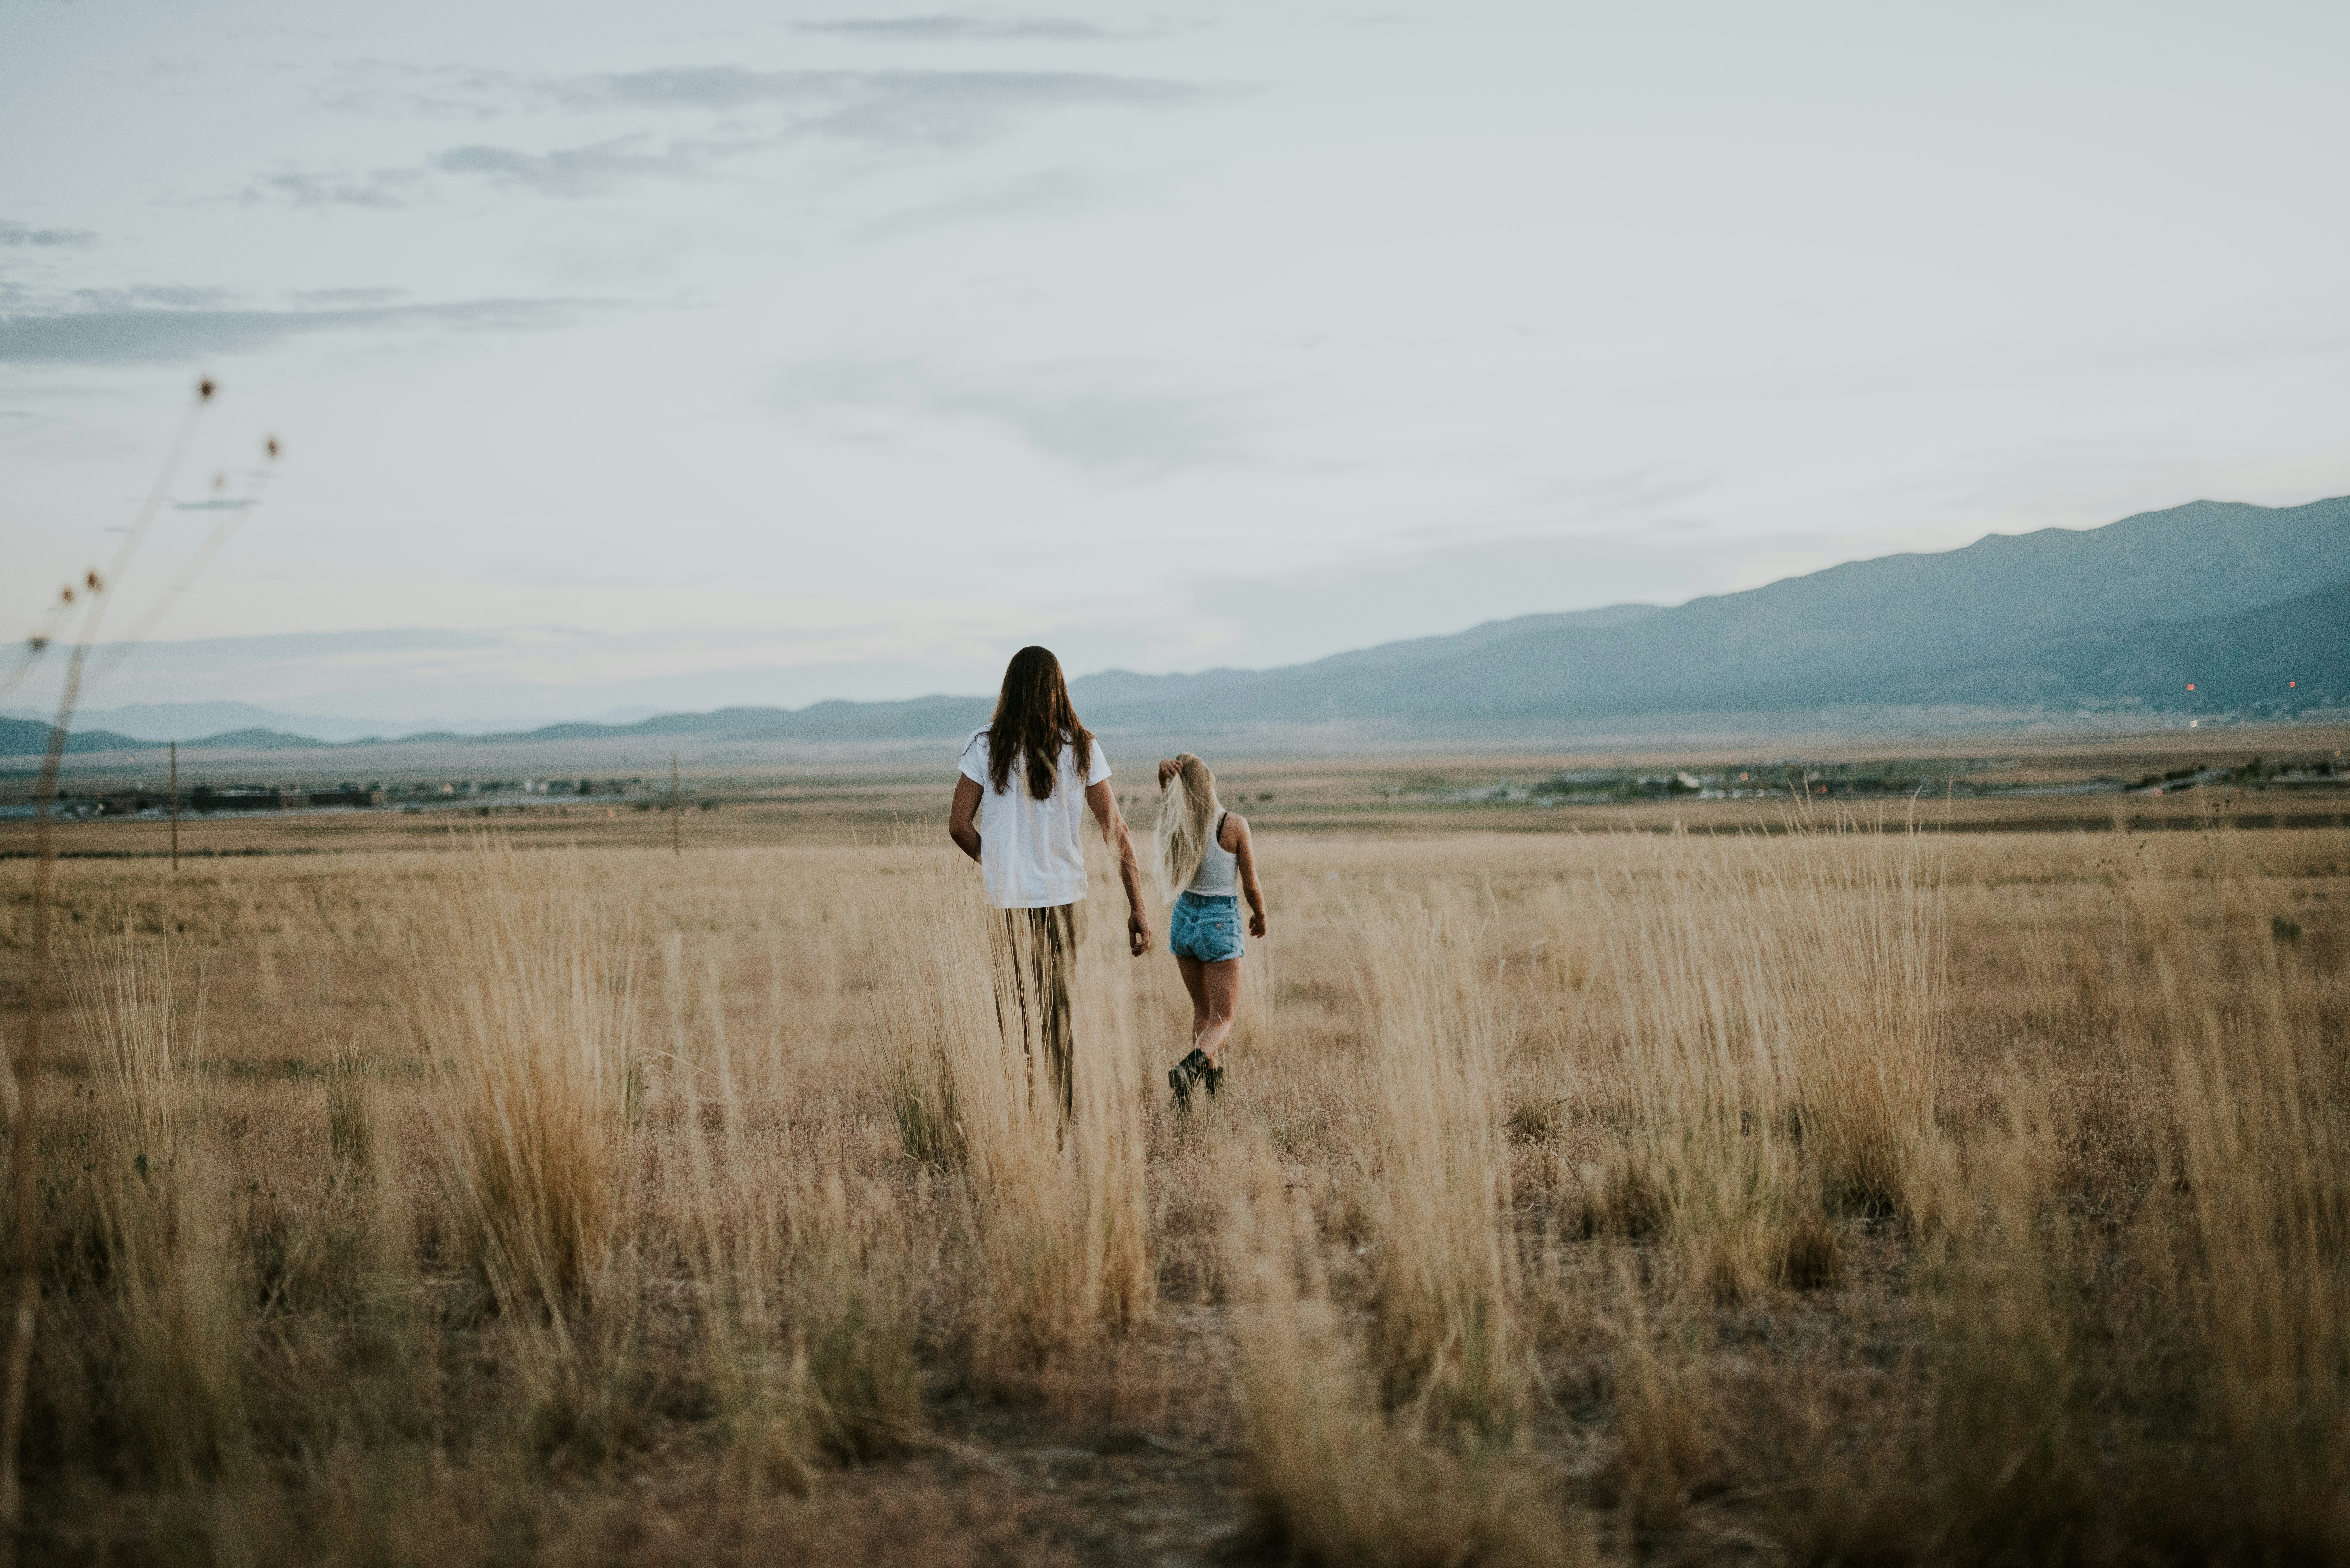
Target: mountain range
pixel 2236 600
pixel 2212 605
pixel 179 721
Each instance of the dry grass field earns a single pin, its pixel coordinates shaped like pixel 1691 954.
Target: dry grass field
pixel 2025 779
pixel 1840 1196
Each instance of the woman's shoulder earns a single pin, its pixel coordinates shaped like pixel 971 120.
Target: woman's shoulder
pixel 1235 827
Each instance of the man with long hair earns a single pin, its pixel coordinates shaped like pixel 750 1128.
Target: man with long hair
pixel 1017 812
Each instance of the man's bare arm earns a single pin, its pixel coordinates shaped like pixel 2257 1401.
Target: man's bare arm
pixel 960 825
pixel 1103 806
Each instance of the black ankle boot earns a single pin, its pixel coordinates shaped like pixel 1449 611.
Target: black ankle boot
pixel 1190 1070
pixel 1214 1078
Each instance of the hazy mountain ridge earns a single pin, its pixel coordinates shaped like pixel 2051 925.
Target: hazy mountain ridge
pixel 2231 660
pixel 2217 594
pixel 30 737
pixel 1896 628
pixel 1118 686
pixel 184 721
pixel 22 737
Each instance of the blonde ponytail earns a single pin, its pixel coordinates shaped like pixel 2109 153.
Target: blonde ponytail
pixel 1187 810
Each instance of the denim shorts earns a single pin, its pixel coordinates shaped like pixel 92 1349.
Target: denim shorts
pixel 1206 928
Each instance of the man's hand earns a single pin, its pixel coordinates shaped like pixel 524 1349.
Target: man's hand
pixel 1138 932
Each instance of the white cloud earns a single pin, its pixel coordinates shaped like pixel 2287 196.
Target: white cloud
pixel 929 29
pixel 1096 417
pixel 814 350
pixel 169 325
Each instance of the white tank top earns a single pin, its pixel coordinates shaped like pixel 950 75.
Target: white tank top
pixel 1219 874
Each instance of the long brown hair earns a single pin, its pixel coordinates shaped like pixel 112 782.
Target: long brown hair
pixel 1033 721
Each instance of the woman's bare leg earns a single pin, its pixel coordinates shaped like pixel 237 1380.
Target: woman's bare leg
pixel 1215 1001
pixel 1195 981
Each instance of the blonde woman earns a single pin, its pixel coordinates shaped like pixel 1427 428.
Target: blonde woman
pixel 1205 860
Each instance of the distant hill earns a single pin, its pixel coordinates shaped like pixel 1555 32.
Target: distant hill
pixel 921 717
pixel 1988 620
pixel 264 740
pixel 2300 648
pixel 2236 600
pixel 30 737
pixel 186 722
pixel 181 720
pixel 1113 687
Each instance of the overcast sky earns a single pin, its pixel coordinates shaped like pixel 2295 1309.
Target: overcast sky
pixel 694 354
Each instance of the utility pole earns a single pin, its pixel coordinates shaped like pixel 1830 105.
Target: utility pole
pixel 674 807
pixel 175 808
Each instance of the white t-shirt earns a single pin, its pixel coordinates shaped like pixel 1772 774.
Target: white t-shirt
pixel 1029 850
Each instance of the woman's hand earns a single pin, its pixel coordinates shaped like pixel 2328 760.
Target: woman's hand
pixel 1256 923
pixel 961 813
pixel 1167 768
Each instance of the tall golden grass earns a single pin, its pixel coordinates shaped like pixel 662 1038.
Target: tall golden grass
pixel 1060 1222
pixel 1780 1012
pixel 1332 1477
pixel 1442 1325
pixel 523 1011
pixel 1851 1194
pixel 2258 1089
pixel 162 1217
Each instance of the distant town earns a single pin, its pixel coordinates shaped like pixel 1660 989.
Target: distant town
pixel 1984 778
pixel 480 796
pixel 1866 781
